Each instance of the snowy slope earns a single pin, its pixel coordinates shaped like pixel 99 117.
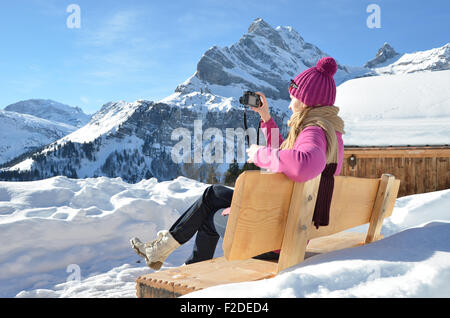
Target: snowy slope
pixel 20 133
pixel 51 110
pixel 436 59
pixel 412 263
pixel 402 109
pixel 84 143
pixel 34 123
pixel 52 227
pixel 413 260
pixel 106 120
pixel 49 224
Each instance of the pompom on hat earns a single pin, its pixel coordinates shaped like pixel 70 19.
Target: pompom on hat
pixel 316 86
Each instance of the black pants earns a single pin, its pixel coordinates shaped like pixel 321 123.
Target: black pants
pixel 203 218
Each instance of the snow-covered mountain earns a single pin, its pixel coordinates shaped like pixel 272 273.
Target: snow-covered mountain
pixel 22 133
pixel 389 62
pixel 264 59
pixel 135 140
pixel 130 140
pixel 384 55
pixel 51 110
pixel 30 124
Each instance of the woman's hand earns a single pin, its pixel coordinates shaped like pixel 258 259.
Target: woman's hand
pixel 263 111
pixel 251 152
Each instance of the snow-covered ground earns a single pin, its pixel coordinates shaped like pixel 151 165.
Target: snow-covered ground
pixel 64 237
pixel 391 110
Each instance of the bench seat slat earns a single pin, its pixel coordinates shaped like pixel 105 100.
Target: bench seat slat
pixel 179 281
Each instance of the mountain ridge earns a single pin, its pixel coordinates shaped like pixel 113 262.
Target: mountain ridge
pixel 134 140
pixel 51 110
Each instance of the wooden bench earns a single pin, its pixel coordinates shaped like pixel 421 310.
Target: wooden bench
pixel 271 212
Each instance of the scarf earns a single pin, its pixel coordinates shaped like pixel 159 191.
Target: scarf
pixel 325 117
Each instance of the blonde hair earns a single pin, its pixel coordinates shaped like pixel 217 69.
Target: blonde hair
pixel 325 117
pixel 295 122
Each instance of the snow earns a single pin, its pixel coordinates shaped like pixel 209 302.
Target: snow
pixel 200 101
pixel 409 264
pixel 432 59
pixel 52 111
pixel 384 110
pixel 23 132
pixel 392 110
pixel 49 224
pixel 66 237
pixel 263 58
pixel 413 260
pixel 126 143
pixel 25 165
pixel 104 121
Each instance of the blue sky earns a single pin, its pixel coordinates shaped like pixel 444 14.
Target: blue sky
pixel 141 49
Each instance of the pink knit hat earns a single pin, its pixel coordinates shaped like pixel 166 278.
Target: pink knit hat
pixel 316 85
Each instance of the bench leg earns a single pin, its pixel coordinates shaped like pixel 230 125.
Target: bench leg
pixel 298 223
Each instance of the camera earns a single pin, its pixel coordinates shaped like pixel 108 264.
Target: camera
pixel 254 100
pixel 251 99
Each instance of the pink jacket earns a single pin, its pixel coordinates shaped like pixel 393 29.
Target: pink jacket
pixel 304 161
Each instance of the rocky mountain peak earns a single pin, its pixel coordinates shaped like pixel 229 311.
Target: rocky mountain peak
pixel 265 58
pixel 260 27
pixel 386 52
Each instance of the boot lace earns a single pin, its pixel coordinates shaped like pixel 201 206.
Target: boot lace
pixel 156 242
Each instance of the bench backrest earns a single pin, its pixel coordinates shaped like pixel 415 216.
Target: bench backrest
pixel 270 212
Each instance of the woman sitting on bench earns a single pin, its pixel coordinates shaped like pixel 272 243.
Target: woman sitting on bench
pixel 314 146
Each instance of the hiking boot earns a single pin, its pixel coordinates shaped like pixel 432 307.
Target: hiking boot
pixel 156 251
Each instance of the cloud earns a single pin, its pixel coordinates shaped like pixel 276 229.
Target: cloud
pixel 118 28
pixel 342 8
pixel 116 47
pixel 191 24
pixel 84 100
pixel 49 7
pixel 26 85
